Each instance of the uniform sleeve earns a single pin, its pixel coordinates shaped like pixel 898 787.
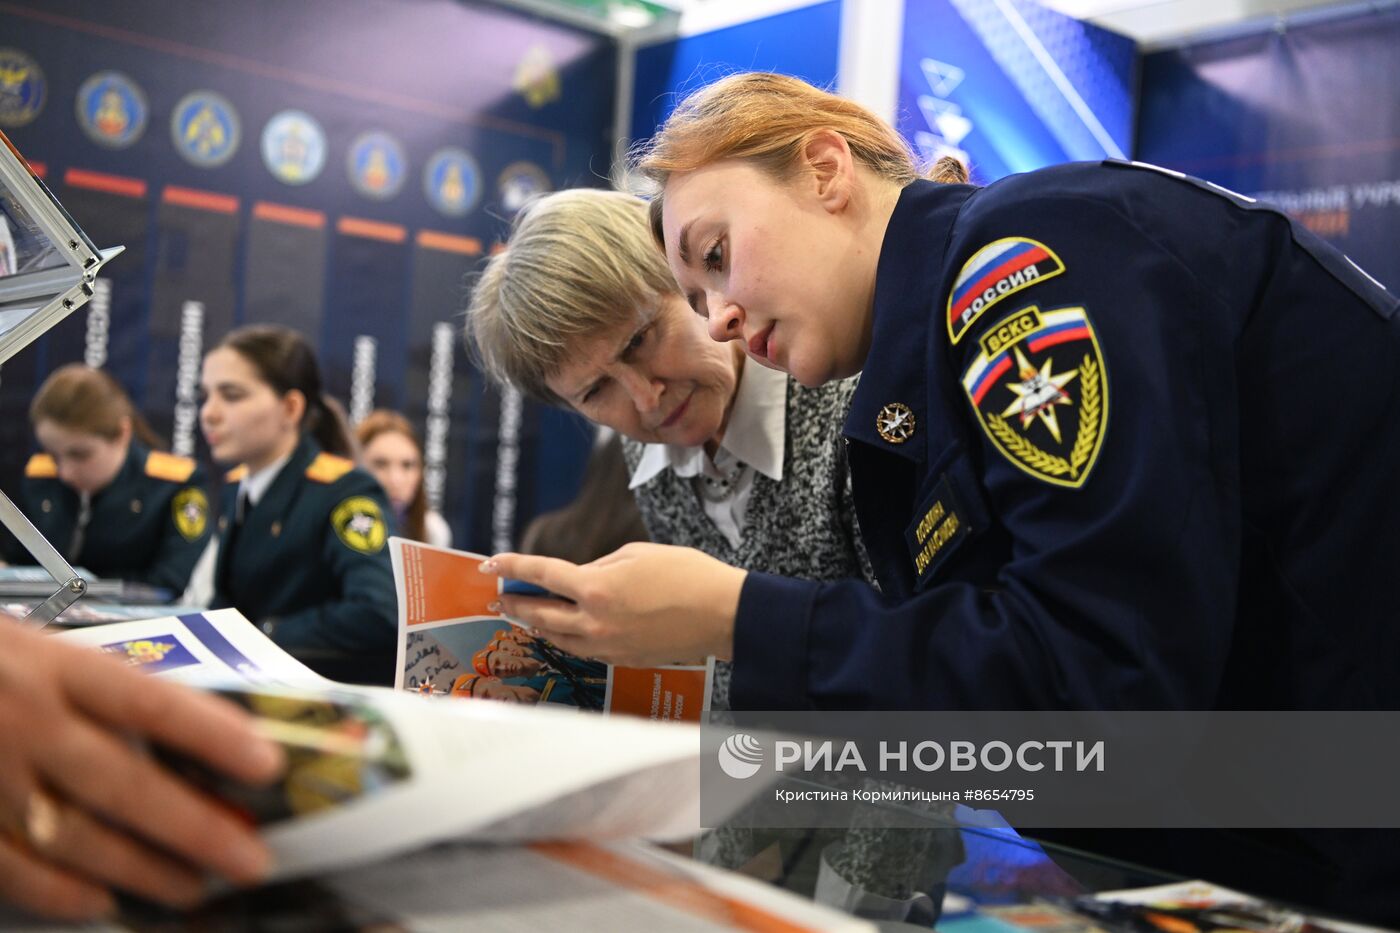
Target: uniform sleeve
pixel 1120 586
pixel 185 531
pixel 362 619
pixel 12 551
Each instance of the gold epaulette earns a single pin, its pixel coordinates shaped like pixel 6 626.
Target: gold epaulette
pixel 41 466
pixel 327 468
pixel 169 467
pixel 236 474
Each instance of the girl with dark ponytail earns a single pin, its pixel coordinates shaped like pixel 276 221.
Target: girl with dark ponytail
pixel 302 537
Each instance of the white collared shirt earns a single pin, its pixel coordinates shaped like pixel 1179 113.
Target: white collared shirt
pixel 753 442
pixel 254 485
pixel 200 590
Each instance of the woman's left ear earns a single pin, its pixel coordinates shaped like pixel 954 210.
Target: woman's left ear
pixel 294 404
pixel 828 157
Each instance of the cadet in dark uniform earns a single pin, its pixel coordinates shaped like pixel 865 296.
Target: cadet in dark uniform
pixel 302 543
pixel 101 494
pixel 1123 440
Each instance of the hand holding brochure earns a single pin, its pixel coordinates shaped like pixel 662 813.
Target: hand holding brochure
pixel 374 772
pixel 451 643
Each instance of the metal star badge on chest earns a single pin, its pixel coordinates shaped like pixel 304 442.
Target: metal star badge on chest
pixel 1041 393
pixel 895 422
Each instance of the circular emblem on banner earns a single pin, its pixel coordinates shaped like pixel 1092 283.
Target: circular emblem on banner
pixel 520 182
pixel 452 182
pixel 377 165
pixel 205 129
pixel 293 147
pixel 22 88
pixel 112 110
pixel 536 77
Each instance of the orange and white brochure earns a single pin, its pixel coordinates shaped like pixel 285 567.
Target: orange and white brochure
pixel 451 644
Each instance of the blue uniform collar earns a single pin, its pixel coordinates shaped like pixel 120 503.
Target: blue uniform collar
pixel 908 290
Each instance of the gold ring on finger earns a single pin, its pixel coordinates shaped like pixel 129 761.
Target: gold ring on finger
pixel 42 817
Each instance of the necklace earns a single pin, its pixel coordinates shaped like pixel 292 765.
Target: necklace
pixel 720 486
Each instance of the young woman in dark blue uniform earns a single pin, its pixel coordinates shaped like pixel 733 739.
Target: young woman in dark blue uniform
pixel 302 535
pixel 1123 440
pixel 102 493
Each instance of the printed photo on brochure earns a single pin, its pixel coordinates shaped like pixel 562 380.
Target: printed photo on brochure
pixel 452 644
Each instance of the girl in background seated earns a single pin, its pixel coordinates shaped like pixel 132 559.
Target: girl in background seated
pixel 102 493
pixel 600 519
pixel 302 538
pixel 390 450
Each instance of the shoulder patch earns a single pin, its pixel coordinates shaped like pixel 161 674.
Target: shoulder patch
pixel 1002 267
pixel 327 468
pixel 190 509
pixel 1040 391
pixel 236 474
pixel 41 466
pixel 169 467
pixel 359 524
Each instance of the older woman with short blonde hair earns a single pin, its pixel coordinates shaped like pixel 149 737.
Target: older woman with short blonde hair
pixel 737 460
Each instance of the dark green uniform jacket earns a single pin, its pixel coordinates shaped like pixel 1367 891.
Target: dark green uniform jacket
pixel 309 564
pixel 149 525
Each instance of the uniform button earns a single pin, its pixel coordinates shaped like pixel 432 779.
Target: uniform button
pixel 136 506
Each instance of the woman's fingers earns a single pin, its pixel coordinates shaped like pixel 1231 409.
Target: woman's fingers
pixel 550 616
pixel 578 647
pixel 45 889
pixel 130 789
pixel 558 576
pixel 204 727
pixel 67 837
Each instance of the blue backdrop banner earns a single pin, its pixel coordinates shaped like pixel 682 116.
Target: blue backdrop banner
pixel 1303 117
pixel 337 166
pixel 1009 86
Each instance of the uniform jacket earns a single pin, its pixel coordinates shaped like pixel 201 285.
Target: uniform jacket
pixel 1154 435
pixel 1214 527
pixel 309 562
pixel 149 525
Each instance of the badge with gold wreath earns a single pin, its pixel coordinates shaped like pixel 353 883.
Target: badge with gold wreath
pixel 1040 391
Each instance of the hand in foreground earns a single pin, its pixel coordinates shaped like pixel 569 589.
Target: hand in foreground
pixel 84 811
pixel 641 606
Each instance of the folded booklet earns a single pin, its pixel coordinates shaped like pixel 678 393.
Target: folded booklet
pixel 373 771
pixel 451 643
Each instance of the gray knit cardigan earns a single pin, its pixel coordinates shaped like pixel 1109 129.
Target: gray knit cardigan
pixel 804 526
